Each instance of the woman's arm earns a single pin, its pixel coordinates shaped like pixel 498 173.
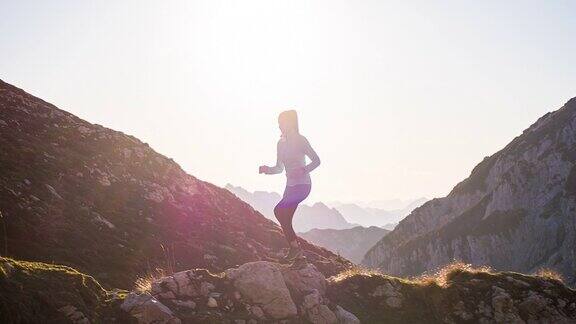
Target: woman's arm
pixel 278 168
pixel 314 158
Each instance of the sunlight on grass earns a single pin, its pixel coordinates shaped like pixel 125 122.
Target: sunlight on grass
pixel 549 274
pixel 356 271
pixel 144 284
pixel 446 273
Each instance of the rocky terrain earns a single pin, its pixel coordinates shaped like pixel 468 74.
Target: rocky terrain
pixel 36 292
pixel 266 292
pixel 457 294
pixel 352 243
pixel 515 212
pixel 85 196
pixel 307 216
pixel 252 293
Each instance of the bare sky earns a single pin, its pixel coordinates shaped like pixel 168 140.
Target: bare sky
pixel 399 98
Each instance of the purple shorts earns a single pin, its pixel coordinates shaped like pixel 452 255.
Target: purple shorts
pixel 294 195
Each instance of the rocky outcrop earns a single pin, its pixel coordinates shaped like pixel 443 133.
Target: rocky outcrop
pixel 352 243
pixel 515 211
pixel 266 292
pixel 461 295
pixel 83 195
pixel 262 284
pixel 147 309
pixel 36 292
pixel 254 292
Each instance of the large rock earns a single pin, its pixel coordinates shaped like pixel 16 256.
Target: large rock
pixel 302 281
pixel 252 293
pixel 262 283
pixel 147 309
pixel 316 311
pixel 345 317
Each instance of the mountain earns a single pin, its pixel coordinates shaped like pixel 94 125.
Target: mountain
pixel 85 196
pixel 370 216
pixel 306 218
pixel 516 211
pixel 351 243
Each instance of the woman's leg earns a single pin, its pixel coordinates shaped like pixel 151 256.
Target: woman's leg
pixel 284 216
pixel 284 211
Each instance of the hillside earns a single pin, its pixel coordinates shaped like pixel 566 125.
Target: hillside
pixel 35 292
pixel 351 243
pixel 103 202
pixel 307 216
pixel 515 211
pixel 266 292
pixel 457 294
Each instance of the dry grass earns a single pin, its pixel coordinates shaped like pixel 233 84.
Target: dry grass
pixel 549 274
pixel 356 271
pixel 439 277
pixel 442 276
pixel 144 284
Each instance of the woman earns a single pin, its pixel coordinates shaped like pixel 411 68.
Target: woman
pixel 292 150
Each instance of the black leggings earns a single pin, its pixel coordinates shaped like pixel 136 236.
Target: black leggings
pixel 284 210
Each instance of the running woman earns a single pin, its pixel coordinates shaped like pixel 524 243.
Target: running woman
pixel 292 150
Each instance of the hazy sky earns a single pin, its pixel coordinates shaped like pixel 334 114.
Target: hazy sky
pixel 399 98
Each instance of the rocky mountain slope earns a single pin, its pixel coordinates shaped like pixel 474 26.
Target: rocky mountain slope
pixel 516 211
pixel 352 243
pixel 103 202
pixel 307 216
pixel 266 292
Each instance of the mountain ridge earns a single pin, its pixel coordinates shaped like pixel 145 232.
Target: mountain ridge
pixel 500 214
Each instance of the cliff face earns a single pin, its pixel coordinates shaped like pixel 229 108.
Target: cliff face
pixel 82 195
pixel 516 211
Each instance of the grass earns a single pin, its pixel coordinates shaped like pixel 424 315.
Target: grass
pixel 549 274
pixel 433 297
pixel 34 291
pixel 355 271
pixel 144 284
pixel 440 277
pixel 445 274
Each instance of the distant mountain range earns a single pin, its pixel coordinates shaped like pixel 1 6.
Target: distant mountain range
pixel 351 243
pixel 307 217
pixel 364 215
pixel 335 215
pixel 516 211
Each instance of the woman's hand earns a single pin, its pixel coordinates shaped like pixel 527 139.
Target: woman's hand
pixel 263 169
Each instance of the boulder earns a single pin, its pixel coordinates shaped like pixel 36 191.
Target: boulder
pixel 303 281
pixel 147 309
pixel 316 311
pixel 345 317
pixel 262 283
